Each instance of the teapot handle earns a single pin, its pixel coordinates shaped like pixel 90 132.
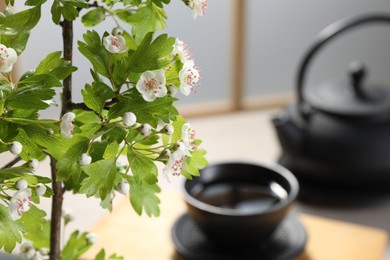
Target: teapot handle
pixel 323 37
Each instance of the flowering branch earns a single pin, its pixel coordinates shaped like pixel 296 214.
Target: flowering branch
pixel 127 111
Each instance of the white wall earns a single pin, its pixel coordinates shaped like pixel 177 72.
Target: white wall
pixel 280 31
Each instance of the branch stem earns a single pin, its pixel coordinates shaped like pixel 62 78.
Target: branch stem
pixel 58 190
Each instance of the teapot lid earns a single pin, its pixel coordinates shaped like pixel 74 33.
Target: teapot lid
pixel 352 99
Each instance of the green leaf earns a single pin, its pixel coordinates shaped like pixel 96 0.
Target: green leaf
pixel 20 22
pixel 14 172
pixel 146 112
pixel 36 89
pixel 94 51
pixel 16 41
pixel 95 96
pixel 53 64
pixel 102 256
pixel 10 231
pixel 94 17
pixel 68 9
pixel 37 227
pixel 149 18
pixel 194 163
pixel 30 149
pixel 143 196
pixel 76 246
pixel 68 165
pixel 100 180
pixel 152 55
pixel 111 150
pixel 143 168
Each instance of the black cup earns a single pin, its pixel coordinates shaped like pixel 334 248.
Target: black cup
pixel 240 204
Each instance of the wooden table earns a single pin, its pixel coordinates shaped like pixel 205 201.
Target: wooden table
pixel 143 238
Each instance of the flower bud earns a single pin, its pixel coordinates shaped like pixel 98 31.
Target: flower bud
pixel 168 129
pixel 33 164
pixel 146 130
pixel 173 90
pixel 40 189
pixel 44 251
pixel 27 250
pixel 49 131
pixel 118 31
pixel 21 184
pixel 129 119
pixel 67 215
pixel 67 126
pixel 16 148
pixel 85 159
pixel 124 187
pixel 91 238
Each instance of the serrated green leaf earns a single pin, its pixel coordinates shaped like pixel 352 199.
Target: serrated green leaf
pixel 148 18
pixel 68 9
pixel 152 55
pixel 76 246
pixel 10 231
pixel 94 51
pixel 194 163
pixel 143 196
pixel 68 165
pixel 143 168
pixel 94 17
pixel 21 22
pixel 53 64
pixel 30 149
pixel 146 112
pixel 36 89
pixel 35 2
pixel 100 180
pixel 96 96
pixel 37 227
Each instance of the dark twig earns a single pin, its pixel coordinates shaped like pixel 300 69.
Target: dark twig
pixel 12 163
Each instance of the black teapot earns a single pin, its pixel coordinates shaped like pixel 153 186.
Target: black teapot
pixel 337 134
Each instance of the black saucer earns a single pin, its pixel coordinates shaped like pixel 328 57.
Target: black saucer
pixel 287 242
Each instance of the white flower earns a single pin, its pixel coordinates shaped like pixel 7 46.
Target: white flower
pixel 19 203
pixel 67 126
pixel 189 77
pixel 175 162
pixel 85 159
pixel 181 49
pixel 198 7
pixel 8 57
pixel 123 187
pixel 67 215
pixel 40 189
pixel 168 129
pixel 21 184
pixel 33 164
pixel 146 130
pixel 27 250
pixel 115 44
pixel 16 148
pixel 188 136
pixel 129 119
pixel 152 85
pixel 91 238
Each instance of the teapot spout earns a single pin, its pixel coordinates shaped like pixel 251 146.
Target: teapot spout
pixel 289 134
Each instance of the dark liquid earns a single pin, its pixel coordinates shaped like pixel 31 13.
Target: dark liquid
pixel 244 197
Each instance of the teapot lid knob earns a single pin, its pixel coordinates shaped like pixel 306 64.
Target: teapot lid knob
pixel 357 72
